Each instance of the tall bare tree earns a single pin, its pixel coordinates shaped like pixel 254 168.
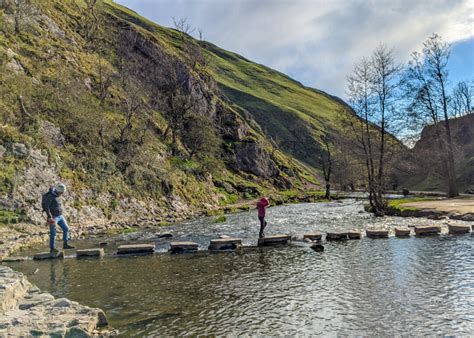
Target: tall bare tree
pixel 372 90
pixel 326 160
pixel 462 99
pixel 428 101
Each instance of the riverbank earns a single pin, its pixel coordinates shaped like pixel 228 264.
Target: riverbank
pixel 26 311
pixel 456 208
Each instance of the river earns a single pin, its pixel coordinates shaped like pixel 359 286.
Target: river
pixel 413 286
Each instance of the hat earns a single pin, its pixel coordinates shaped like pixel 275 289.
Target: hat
pixel 61 188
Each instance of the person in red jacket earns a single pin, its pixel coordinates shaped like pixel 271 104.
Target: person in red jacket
pixel 261 206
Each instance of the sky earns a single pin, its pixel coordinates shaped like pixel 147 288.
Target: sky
pixel 317 42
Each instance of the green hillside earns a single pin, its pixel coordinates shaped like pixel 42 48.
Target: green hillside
pixel 295 116
pixel 85 99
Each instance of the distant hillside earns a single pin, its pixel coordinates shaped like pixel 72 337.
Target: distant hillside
pixel 86 100
pixel 293 115
pixel 426 170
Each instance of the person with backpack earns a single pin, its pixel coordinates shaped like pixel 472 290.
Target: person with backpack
pixel 51 205
pixel 261 206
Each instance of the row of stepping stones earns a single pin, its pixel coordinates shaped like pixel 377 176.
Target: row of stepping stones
pixel 227 243
pixel 384 233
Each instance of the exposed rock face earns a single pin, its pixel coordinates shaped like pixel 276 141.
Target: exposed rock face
pixel 425 165
pixel 252 157
pixel 51 134
pixel 26 311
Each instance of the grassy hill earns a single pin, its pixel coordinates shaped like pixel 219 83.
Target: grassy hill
pixel 84 100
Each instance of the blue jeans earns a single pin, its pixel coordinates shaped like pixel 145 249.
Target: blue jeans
pixel 61 221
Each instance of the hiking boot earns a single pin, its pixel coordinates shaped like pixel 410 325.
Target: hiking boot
pixel 67 246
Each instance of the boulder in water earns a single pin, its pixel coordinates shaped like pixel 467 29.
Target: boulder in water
pixel 182 247
pixel 402 232
pixel 48 255
pixel 274 240
pixel 427 230
pixel 314 236
pixel 95 252
pixel 317 247
pixel 458 229
pixel 336 236
pixel 136 249
pixel 377 233
pixel 225 244
pixel 354 234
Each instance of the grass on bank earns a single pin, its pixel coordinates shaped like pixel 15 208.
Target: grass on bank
pixel 397 204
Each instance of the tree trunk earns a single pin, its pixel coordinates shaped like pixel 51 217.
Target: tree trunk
pixel 328 191
pixel 452 187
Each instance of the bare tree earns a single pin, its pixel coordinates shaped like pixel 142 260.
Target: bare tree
pixel 428 102
pixel 462 99
pixel 326 160
pixel 372 90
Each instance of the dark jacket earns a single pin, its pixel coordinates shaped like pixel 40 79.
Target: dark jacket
pixel 51 204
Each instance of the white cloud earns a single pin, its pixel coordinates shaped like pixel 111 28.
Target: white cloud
pixel 316 41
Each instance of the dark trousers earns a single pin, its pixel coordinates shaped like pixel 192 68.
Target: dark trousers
pixel 263 224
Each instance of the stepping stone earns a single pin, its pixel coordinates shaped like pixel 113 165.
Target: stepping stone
pixel 274 240
pixel 136 249
pixel 402 232
pixel 458 229
pixel 376 233
pixel 225 244
pixel 48 255
pixel 315 236
pixel 354 234
pixel 427 230
pixel 336 236
pixel 317 247
pixel 182 247
pixel 96 252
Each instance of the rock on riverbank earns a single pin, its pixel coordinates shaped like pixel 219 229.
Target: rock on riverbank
pixel 26 311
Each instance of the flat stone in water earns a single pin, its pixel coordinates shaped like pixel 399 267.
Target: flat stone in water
pixel 376 233
pixel 274 240
pixel 225 244
pixel 14 259
pixel 402 232
pixel 141 249
pixel 95 252
pixel 315 236
pixel 180 247
pixel 336 236
pixel 48 255
pixel 458 229
pixel 354 234
pixel 427 230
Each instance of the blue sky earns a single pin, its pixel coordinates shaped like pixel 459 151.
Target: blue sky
pixel 317 42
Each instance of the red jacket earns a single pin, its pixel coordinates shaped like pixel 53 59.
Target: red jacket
pixel 261 205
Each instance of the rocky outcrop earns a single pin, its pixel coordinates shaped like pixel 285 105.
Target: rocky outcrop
pixel 253 158
pixel 26 311
pixel 422 168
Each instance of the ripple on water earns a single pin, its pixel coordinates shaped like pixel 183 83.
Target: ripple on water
pixel 369 287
